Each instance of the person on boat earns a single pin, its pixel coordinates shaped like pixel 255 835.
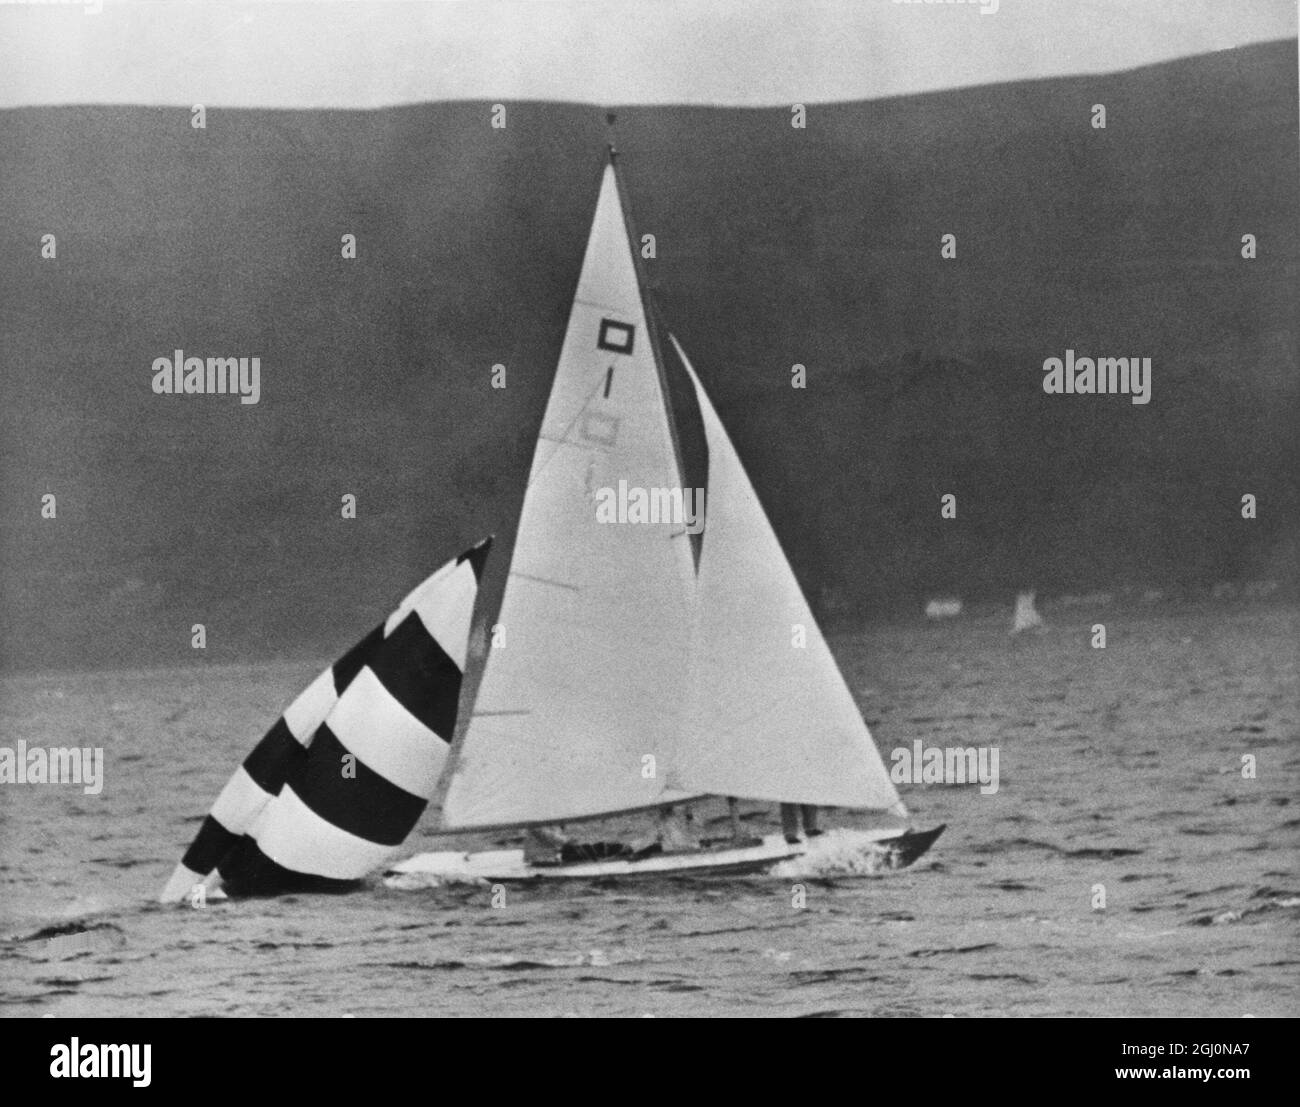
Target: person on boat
pixel 733 812
pixel 790 818
pixel 740 838
pixel 676 832
pixel 672 834
pixel 544 845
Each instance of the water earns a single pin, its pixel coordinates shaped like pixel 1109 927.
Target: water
pixel 1118 767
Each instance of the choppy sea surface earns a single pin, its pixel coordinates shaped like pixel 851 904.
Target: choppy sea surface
pixel 1120 774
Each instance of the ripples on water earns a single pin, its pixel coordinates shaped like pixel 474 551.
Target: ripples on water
pixel 1119 767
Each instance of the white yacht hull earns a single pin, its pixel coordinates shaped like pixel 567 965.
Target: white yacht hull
pixel 851 852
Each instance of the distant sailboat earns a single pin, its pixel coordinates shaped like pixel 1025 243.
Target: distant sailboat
pixel 646 661
pixel 1026 615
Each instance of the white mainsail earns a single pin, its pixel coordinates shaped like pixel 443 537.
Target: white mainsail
pixel 581 707
pixel 773 717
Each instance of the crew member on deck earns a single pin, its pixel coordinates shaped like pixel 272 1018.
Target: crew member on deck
pixel 673 833
pixel 543 845
pixel 790 815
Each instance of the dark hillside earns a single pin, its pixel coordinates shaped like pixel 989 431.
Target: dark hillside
pixel 775 246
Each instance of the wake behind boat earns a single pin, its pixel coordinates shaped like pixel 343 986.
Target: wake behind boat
pixel 653 648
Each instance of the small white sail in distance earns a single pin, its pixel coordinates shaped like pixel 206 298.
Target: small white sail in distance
pixel 580 711
pixel 773 720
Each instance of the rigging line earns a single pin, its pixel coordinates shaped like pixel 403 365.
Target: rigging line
pixel 564 438
pixel 545 580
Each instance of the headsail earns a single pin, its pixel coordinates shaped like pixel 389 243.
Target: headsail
pixel 580 708
pixel 775 719
pixel 342 777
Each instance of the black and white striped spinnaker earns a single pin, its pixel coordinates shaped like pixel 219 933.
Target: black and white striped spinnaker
pixel 340 780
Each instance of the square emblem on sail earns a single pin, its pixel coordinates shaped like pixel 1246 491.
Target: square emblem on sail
pixel 615 336
pixel 599 428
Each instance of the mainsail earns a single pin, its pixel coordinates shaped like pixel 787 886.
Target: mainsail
pixel 343 776
pixel 773 715
pixel 581 707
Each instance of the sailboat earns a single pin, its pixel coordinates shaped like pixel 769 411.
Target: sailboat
pixel 645 655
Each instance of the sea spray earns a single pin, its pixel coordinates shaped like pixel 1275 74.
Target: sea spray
pixel 838 852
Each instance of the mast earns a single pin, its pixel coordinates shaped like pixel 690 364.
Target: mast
pixel 650 309
pixel 647 302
